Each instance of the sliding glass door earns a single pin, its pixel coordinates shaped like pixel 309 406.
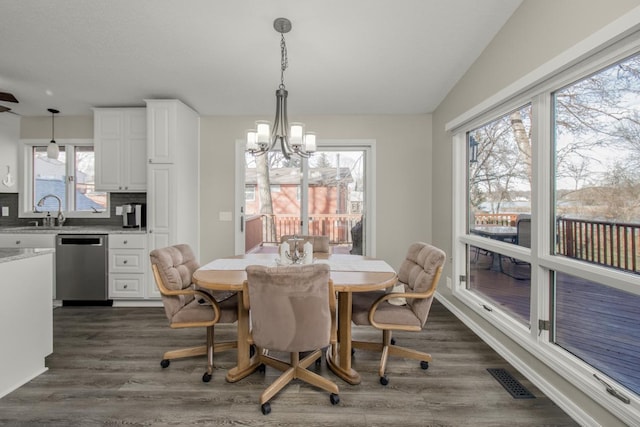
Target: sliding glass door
pixel 326 194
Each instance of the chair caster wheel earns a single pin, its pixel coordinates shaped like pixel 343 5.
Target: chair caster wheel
pixel 393 341
pixel 334 398
pixel 318 362
pixel 262 368
pixel 424 364
pixel 384 380
pixel 206 377
pixel 165 363
pixel 353 351
pixel 252 351
pixel 266 408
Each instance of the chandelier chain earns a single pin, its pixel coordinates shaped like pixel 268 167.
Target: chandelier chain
pixel 284 60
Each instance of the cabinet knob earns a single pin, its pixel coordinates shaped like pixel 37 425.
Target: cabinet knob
pixel 17 242
pixel 124 262
pixel 125 286
pixel 125 242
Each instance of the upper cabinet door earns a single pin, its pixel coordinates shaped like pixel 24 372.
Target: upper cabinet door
pixel 161 130
pixel 120 141
pixel 108 146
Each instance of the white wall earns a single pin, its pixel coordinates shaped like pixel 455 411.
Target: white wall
pixel 537 32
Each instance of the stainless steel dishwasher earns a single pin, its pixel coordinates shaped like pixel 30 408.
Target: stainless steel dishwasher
pixel 81 267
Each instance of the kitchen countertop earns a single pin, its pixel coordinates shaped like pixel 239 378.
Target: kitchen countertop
pixel 12 254
pixel 73 229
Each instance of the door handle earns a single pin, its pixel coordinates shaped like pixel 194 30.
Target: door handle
pixel 242 223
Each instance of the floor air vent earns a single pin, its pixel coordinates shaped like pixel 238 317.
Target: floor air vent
pixel 512 385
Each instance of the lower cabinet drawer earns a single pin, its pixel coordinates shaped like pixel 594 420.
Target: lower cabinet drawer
pixel 126 285
pixel 127 261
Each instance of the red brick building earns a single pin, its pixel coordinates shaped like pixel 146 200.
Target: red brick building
pixel 328 190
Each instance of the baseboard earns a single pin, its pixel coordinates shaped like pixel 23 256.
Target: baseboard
pixel 137 303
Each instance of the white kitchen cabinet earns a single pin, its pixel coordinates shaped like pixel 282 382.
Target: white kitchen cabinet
pixel 26 330
pixel 128 260
pixel 120 142
pixel 172 177
pixel 17 240
pixel 44 240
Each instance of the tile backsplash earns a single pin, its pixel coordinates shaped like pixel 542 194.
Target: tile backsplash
pixel 10 200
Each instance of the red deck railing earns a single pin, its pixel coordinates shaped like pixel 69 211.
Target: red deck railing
pixel 600 242
pixel 605 243
pixel 270 228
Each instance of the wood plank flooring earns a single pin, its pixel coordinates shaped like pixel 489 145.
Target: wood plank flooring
pixel 105 369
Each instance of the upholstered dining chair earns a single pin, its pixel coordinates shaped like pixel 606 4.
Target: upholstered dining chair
pixel 188 307
pixel 320 243
pixel 419 275
pixel 292 310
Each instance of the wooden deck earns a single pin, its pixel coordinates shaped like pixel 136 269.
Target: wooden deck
pixel 598 324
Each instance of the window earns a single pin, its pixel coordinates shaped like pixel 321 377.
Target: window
pixel 597 211
pixel 499 206
pixel 547 221
pixel 250 193
pixel 70 178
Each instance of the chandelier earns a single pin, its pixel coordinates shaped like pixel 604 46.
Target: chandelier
pixel 293 139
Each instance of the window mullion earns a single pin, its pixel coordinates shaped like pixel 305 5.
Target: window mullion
pixel 70 177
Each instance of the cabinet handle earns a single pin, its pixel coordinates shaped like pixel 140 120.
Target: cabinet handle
pixel 17 242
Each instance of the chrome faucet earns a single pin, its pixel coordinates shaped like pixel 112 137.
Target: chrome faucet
pixel 61 217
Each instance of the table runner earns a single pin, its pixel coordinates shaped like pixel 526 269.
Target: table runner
pixel 336 263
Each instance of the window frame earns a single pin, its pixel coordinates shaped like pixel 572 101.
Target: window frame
pixel 25 194
pixel 538 91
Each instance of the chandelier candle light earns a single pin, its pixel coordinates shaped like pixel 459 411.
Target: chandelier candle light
pixel 293 140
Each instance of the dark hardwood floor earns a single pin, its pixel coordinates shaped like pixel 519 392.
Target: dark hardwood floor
pixel 105 370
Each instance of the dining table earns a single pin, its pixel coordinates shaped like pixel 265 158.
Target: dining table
pixel 349 273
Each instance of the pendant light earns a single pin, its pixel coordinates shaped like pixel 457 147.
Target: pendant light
pixel 293 140
pixel 52 149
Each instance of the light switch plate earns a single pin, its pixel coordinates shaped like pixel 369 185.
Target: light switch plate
pixel 118 210
pixel 5 211
pixel 225 216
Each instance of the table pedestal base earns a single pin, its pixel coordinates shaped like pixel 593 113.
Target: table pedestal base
pixel 237 373
pixel 349 375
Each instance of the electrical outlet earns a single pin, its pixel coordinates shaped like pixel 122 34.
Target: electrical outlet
pixel 449 285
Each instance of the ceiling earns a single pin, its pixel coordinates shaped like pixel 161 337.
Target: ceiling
pixel 223 57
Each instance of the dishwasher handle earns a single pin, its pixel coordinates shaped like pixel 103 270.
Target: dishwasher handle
pixel 81 240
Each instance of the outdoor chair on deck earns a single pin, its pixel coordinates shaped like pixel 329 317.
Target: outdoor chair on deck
pixel 293 310
pixel 517 269
pixel 188 307
pixel 419 274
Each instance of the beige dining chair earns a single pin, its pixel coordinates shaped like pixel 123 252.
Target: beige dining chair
pixel 419 275
pixel 293 310
pixel 188 307
pixel 320 243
